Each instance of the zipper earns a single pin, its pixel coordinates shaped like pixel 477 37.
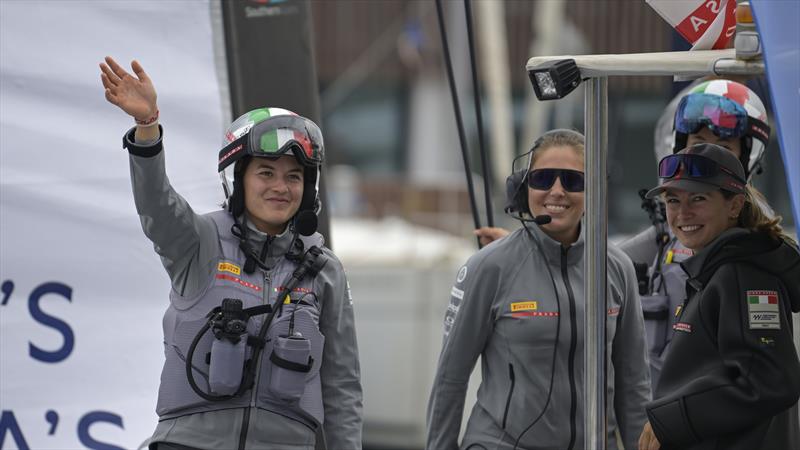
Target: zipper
pixel 573 341
pixel 510 391
pixel 246 417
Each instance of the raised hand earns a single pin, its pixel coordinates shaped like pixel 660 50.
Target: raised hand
pixel 487 235
pixel 135 95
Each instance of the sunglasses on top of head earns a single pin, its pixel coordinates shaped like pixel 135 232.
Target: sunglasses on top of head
pixel 544 179
pixel 694 166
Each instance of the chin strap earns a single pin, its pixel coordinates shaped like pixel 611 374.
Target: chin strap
pixel 252 259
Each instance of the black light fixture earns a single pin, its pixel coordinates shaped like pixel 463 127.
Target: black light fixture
pixel 555 79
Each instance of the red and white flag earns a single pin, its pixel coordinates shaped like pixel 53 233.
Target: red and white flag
pixel 706 24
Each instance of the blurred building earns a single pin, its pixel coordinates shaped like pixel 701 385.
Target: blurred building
pixel 387 110
pixel 394 152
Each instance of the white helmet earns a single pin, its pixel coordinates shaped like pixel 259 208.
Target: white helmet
pixel 270 133
pixel 728 109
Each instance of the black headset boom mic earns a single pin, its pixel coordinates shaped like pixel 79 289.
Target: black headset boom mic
pixel 306 222
pixel 542 219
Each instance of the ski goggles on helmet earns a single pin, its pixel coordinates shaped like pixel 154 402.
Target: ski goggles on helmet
pixel 544 179
pixel 274 137
pixel 723 116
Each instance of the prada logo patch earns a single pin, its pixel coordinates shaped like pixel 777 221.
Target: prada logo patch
pixel 763 310
pixel 683 326
pixel 299 289
pixel 521 314
pixel 222 276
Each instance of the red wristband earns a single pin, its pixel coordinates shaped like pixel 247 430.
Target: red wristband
pixel 150 121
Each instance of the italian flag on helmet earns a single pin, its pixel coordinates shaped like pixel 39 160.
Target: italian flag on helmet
pixel 737 92
pixel 754 135
pixel 246 121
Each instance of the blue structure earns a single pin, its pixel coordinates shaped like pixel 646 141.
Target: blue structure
pixel 777 24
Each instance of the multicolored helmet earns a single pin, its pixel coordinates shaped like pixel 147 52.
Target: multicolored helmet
pixel 729 109
pixel 270 133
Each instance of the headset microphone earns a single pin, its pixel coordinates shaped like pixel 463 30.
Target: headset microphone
pixel 543 219
pixel 305 222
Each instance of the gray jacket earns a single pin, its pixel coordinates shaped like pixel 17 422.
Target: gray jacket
pixel 520 306
pixel 666 290
pixel 191 247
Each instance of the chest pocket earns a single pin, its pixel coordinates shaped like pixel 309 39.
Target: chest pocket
pixel 293 351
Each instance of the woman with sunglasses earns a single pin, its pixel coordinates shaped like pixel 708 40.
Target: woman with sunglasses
pixel 731 378
pixel 519 304
pixel 259 340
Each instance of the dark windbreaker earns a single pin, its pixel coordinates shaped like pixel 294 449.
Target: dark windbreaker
pixel 731 378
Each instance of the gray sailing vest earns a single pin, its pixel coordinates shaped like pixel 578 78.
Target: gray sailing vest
pixel 661 307
pixel 186 316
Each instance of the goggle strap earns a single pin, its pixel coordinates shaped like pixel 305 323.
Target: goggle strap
pixel 232 152
pixel 758 129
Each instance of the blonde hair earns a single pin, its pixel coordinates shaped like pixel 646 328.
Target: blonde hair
pixel 558 138
pixel 754 218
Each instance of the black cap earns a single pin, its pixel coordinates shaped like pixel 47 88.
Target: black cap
pixel 730 177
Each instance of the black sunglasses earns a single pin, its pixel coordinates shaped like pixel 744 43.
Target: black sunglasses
pixel 694 166
pixel 543 179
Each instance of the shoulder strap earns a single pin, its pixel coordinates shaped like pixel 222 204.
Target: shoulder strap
pixel 313 261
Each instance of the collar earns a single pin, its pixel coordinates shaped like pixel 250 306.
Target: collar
pixel 553 249
pixel 695 264
pixel 277 246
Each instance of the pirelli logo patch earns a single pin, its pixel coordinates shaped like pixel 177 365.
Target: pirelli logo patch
pixel 524 306
pixel 763 310
pixel 228 267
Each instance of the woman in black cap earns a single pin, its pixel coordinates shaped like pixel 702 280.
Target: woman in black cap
pixel 731 378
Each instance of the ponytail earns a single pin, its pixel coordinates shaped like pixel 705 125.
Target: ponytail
pixel 757 216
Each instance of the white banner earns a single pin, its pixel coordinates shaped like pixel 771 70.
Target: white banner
pixel 82 291
pixel 706 24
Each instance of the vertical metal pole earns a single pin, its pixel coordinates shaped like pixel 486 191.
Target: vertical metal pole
pixel 596 234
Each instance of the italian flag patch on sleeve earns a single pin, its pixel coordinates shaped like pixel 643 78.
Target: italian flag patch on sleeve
pixel 762 309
